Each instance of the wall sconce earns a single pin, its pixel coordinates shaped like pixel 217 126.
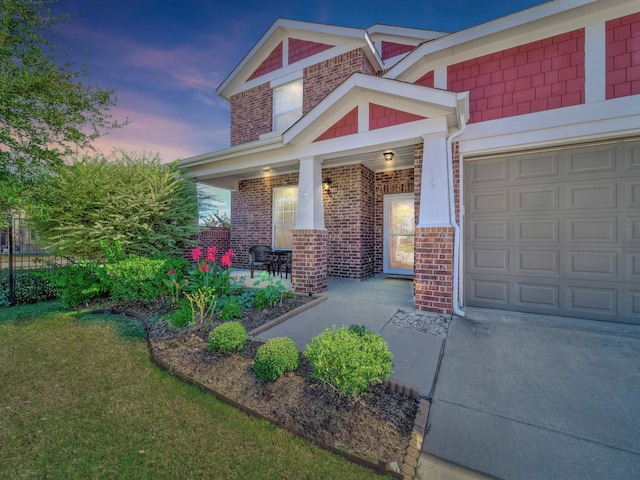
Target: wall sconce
pixel 326 185
pixel 388 156
pixel 266 169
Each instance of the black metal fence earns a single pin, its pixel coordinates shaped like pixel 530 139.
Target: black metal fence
pixel 21 254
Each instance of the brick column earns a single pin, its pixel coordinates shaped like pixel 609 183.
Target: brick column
pixel 309 269
pixel 433 274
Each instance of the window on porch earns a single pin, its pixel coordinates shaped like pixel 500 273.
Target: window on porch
pixel 285 203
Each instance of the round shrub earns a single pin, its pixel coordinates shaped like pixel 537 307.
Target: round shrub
pixel 349 360
pixel 228 337
pixel 276 357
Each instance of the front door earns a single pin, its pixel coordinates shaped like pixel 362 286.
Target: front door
pixel 399 224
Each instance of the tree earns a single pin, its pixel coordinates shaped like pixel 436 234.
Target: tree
pixel 149 208
pixel 46 112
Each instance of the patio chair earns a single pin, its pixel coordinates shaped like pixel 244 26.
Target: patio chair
pixel 259 257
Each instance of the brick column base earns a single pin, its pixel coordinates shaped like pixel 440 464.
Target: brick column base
pixel 309 268
pixel 433 269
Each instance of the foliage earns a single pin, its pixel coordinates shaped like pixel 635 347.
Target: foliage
pixel 271 294
pixel 207 273
pixel 148 208
pixel 135 278
pixel 46 112
pixel 203 304
pixel 79 283
pixel 29 287
pixel 276 357
pixel 228 337
pixel 216 219
pixel 231 309
pixel 181 315
pixel 361 330
pixel 349 361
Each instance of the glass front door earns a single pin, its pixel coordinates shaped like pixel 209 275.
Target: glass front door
pixel 399 227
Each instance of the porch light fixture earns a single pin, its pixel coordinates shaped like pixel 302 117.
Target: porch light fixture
pixel 266 169
pixel 388 156
pixel 326 185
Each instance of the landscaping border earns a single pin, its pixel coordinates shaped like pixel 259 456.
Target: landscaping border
pixel 405 471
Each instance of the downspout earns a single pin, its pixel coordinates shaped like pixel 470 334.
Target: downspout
pixel 452 211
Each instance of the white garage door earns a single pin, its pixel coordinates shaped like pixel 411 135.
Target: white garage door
pixel 555 232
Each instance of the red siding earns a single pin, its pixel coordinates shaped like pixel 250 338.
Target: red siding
pixel 427 80
pixel 380 117
pixel 623 56
pixel 299 49
pixel 345 126
pixel 391 49
pixel 540 75
pixel 271 63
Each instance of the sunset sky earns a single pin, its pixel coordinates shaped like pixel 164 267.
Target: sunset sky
pixel 166 58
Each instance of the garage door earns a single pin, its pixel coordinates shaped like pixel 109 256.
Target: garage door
pixel 555 232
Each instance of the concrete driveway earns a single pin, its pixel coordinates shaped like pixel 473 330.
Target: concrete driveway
pixel 536 397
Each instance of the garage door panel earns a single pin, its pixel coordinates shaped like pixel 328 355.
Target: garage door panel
pixel 496 170
pixel 592 301
pixel 488 230
pixel 541 199
pixel 592 160
pixel 593 263
pixel 538 262
pixel 633 194
pixel 592 197
pixel 534 230
pixel 592 230
pixel 537 296
pixel 536 166
pixel 489 202
pixel 556 232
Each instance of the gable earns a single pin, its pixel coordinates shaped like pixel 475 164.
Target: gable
pixel 301 49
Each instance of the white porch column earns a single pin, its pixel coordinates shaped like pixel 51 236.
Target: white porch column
pixel 434 191
pixel 310 214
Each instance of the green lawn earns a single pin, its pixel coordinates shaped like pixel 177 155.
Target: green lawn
pixel 79 398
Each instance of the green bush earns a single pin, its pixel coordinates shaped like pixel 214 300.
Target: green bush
pixel 29 287
pixel 274 358
pixel 182 315
pixel 349 360
pixel 228 337
pixel 231 309
pixel 78 284
pixel 136 278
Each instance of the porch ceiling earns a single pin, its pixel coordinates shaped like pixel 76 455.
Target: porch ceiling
pixel 374 160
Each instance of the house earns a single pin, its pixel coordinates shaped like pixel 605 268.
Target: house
pixel 498 166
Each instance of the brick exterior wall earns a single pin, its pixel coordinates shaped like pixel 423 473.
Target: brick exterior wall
pixel 321 79
pixel 540 75
pixel 349 217
pixel 623 56
pixel 252 212
pixel 381 117
pixel 345 126
pixel 392 49
pixel 218 237
pixel 301 49
pixel 427 80
pixel 433 275
pixel 270 64
pixel 309 265
pixel 388 183
pixel 251 114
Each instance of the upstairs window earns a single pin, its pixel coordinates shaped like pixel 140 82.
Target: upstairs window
pixel 287 105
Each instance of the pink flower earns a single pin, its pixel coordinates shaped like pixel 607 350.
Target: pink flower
pixel 226 260
pixel 196 254
pixel 204 267
pixel 230 253
pixel 171 271
pixel 211 254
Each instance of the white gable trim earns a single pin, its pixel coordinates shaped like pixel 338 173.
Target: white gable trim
pixel 361 90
